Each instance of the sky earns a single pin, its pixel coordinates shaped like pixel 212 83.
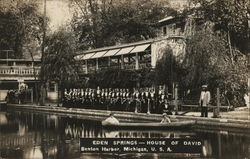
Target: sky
pixel 58 12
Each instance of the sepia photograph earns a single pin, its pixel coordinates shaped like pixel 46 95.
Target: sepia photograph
pixel 124 79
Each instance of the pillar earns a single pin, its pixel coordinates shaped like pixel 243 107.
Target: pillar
pixel 118 62
pixel 97 64
pixel 216 112
pixel 176 99
pixel 86 66
pixel 136 61
pixel 122 62
pixel 109 61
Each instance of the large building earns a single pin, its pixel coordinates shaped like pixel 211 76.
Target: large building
pixel 15 73
pixel 139 55
pixel 133 56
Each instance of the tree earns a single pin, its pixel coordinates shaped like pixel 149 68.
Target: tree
pixel 231 17
pixel 59 63
pixel 207 61
pixel 100 23
pixel 20 25
pixel 21 29
pixel 168 70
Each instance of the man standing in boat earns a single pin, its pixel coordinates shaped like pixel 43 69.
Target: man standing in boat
pixel 204 101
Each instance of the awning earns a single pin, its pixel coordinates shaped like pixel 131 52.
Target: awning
pixel 88 56
pixel 140 48
pixel 98 54
pixel 111 52
pixel 79 57
pixel 125 50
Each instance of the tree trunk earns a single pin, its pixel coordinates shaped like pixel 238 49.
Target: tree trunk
pixel 230 47
pixel 42 94
pixel 58 93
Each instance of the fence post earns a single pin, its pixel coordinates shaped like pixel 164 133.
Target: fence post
pixel 216 111
pixel 176 99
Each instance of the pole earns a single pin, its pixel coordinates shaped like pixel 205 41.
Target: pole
pixel 148 112
pixel 176 99
pixel 216 112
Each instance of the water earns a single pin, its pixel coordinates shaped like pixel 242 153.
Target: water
pixel 36 135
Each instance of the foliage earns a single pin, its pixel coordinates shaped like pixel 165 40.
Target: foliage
pixel 206 55
pixel 59 63
pixel 207 61
pixel 168 69
pixel 117 78
pixel 229 16
pixel 20 24
pixel 100 23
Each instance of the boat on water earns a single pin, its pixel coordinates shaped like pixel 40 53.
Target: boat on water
pixel 150 125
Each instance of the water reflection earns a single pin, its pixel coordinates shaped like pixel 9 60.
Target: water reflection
pixel 34 135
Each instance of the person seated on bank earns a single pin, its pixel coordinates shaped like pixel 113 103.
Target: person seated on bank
pixel 165 119
pixel 111 120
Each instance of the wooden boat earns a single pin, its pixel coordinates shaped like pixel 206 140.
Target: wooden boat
pixel 151 125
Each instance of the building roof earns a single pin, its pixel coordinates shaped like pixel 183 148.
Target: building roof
pixel 118 50
pixel 115 47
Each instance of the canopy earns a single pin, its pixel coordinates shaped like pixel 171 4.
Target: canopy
pixel 125 50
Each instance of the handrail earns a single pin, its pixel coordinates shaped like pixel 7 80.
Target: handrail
pixel 19 70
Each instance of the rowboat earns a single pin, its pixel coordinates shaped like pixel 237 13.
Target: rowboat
pixel 150 125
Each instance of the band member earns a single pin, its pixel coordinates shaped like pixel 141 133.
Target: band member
pixel 93 98
pixel 137 101
pixel 78 98
pixel 82 98
pixel 73 98
pixel 87 98
pixel 128 100
pixel 147 97
pixel 123 99
pixel 161 99
pixel 102 99
pixel 152 100
pixel 98 98
pixel 107 98
pixel 66 98
pixel 117 103
pixel 143 100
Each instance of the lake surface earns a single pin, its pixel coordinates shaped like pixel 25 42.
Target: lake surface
pixel 36 135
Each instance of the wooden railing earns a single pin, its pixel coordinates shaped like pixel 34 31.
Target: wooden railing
pixel 92 69
pixel 22 70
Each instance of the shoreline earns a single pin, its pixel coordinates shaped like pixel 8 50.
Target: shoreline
pixel 222 124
